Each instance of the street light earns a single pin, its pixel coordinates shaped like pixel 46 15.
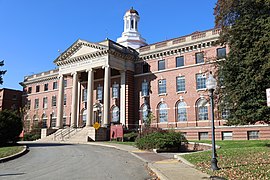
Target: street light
pixel 211 85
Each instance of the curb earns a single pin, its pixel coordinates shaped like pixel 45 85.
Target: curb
pixel 14 156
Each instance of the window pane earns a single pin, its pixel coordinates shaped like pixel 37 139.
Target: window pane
pixel 84 95
pixel 181 111
pixel 99 93
pixel 221 53
pixel 36 103
pixel 54 85
pixel 145 90
pixel 203 112
pixel 37 88
pixel 144 113
pixel 65 83
pixel 161 86
pixel 200 80
pixel 161 64
pixel 253 135
pixel 46 87
pixel 163 113
pixel 180 83
pixel 199 58
pixel 65 99
pixel 53 100
pixel 115 90
pixel 115 114
pixel 203 135
pixel 45 102
pixel 179 61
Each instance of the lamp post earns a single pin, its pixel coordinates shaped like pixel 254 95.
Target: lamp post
pixel 211 85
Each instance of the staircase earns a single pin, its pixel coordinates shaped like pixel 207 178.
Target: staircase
pixel 76 135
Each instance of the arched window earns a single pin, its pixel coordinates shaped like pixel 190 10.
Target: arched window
pixel 132 24
pixel 115 114
pixel 202 109
pixel 44 121
pixel 144 113
pixel 53 120
pixel 163 112
pixel 181 111
pixel 35 121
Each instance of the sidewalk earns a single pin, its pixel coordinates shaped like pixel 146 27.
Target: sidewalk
pixel 162 164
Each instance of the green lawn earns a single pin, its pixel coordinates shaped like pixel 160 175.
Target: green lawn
pixel 9 150
pixel 237 159
pixel 120 142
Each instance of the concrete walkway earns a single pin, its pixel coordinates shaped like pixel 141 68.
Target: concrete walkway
pixel 162 164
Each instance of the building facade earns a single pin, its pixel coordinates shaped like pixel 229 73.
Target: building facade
pixel 10 99
pixel 122 82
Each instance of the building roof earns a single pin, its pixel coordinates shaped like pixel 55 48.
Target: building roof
pixel 132 11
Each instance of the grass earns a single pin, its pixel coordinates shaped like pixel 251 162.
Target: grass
pixel 237 159
pixel 9 150
pixel 120 142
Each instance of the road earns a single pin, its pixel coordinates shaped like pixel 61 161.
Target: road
pixel 68 162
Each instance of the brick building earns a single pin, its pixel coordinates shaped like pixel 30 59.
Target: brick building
pixel 10 99
pixel 122 82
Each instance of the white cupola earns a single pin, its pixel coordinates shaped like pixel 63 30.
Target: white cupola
pixel 131 37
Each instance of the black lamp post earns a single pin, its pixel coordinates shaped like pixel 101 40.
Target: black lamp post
pixel 211 85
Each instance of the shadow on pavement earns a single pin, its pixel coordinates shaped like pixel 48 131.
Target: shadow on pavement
pixel 11 174
pixel 37 144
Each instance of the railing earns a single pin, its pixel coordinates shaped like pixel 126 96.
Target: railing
pixel 64 134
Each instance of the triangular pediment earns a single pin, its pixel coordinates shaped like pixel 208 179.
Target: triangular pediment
pixel 80 48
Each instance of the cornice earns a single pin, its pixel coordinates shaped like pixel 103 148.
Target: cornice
pixel 42 78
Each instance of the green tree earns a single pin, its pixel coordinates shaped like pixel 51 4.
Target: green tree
pixel 245 26
pixel 2 72
pixel 10 126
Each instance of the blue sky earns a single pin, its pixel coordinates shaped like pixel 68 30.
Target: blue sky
pixel 32 31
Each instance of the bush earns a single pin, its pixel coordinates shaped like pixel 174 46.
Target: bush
pixel 130 136
pixel 161 140
pixel 31 137
pixel 10 126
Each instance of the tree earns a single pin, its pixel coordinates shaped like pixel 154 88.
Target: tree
pixel 2 72
pixel 10 126
pixel 245 73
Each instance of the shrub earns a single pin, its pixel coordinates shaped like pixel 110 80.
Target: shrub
pixel 161 140
pixel 31 137
pixel 130 136
pixel 10 126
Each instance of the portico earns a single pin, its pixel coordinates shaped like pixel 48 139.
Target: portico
pixel 90 64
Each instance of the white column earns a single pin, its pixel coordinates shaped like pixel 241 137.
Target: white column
pixel 123 98
pixel 59 121
pixel 107 85
pixel 74 100
pixel 90 88
pixel 78 103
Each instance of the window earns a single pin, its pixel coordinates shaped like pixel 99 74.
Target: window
pixel 53 101
pixel 179 61
pixel 84 97
pixel 64 119
pixel 146 68
pixel 55 85
pixel 181 111
pixel 35 121
pixel 203 135
pixel 161 65
pixel 202 109
pixel 162 86
pixel 221 53
pixel 200 81
pixel 44 121
pixel 253 135
pixel 115 114
pixel 225 113
pixel 53 120
pixel 163 112
pixel 227 135
pixel 145 89
pixel 144 113
pixel 46 87
pixel 199 58
pixel 180 83
pixel 37 88
pixel 132 24
pixel 65 83
pixel 36 103
pixel 45 103
pixel 99 93
pixel 28 104
pixel 84 116
pixel 115 91
pixel 29 90
pixel 65 99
